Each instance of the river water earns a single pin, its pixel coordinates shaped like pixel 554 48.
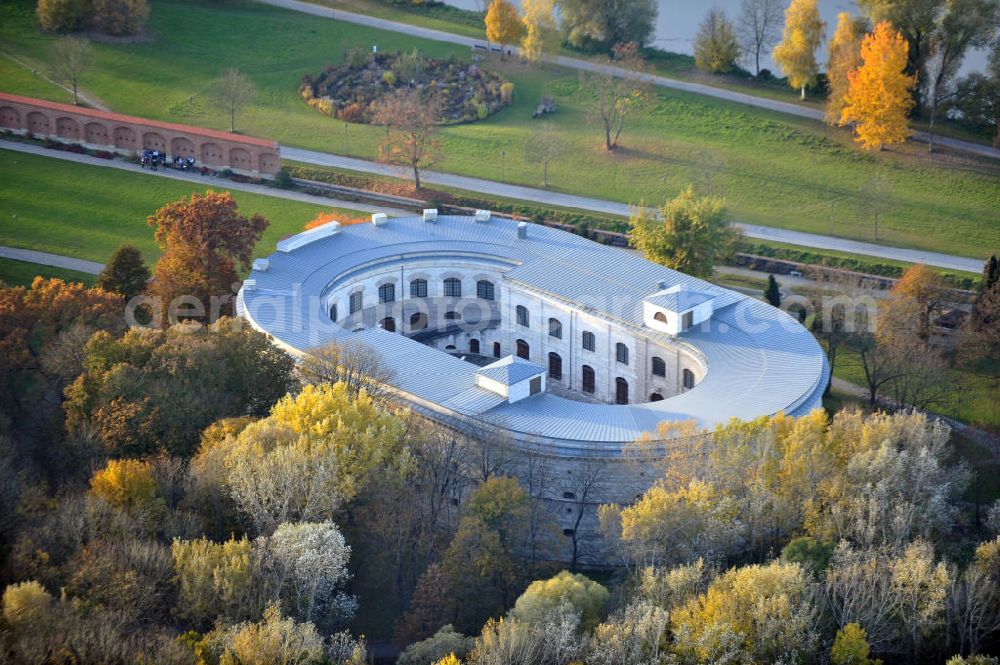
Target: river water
pixel 678 21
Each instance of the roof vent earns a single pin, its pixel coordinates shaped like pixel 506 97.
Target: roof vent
pixel 306 237
pixel 250 285
pixel 261 264
pixel 522 230
pixel 482 215
pixel 430 214
pixel 380 218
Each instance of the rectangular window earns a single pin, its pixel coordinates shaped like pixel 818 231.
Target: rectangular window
pixel 536 385
pixel 484 290
pixel 522 316
pixel 588 341
pixel 452 288
pixel 418 288
pixel 357 300
pixel 387 293
pixel 687 320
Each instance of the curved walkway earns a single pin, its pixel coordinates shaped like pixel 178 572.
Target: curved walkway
pixel 816 241
pixel 587 65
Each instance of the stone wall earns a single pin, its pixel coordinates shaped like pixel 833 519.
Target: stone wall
pixel 128 135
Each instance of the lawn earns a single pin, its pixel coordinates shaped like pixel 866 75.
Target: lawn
pixel 86 212
pixel 22 273
pixel 772 169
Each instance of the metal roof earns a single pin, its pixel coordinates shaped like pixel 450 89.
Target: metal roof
pixel 759 360
pixel 679 300
pixel 511 370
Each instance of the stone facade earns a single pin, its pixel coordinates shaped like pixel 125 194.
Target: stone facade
pixel 128 135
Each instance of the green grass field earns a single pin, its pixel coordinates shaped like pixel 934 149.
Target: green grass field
pixel 86 212
pixel 22 273
pixel 772 169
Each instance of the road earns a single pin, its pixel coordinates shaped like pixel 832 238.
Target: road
pixel 200 180
pixel 589 66
pixel 813 240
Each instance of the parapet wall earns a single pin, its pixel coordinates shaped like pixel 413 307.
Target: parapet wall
pixel 129 135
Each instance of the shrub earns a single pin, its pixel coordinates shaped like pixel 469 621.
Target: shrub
pixel 25 604
pixel 388 78
pixel 120 17
pixel 506 92
pixel 283 179
pixel 63 15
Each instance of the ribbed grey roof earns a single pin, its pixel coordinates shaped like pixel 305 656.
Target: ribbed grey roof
pixel 679 300
pixel 511 370
pixel 759 360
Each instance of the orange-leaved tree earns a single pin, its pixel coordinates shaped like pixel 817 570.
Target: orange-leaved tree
pixel 796 53
pixel 503 25
pixel 204 239
pixel 341 218
pixel 879 94
pixel 844 57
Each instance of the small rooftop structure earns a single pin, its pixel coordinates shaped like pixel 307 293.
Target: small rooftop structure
pixel 512 377
pixel 676 309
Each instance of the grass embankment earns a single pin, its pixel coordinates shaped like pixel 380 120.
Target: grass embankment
pixel 772 169
pixel 22 273
pixel 86 212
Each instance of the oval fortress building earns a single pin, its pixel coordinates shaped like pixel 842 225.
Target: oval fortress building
pixel 572 349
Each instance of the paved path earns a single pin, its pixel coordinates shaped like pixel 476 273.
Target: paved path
pixel 201 181
pixel 520 192
pixel 587 65
pixel 55 260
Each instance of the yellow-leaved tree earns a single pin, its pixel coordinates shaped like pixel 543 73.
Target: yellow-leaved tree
pixel 844 57
pixel 796 53
pixel 539 27
pixel 879 94
pixel 126 483
pixel 503 25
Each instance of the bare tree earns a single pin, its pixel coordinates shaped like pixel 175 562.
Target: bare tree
pixel 587 482
pixel 616 87
pixel 544 146
pixel 71 59
pixel 411 123
pixel 759 28
pixel 351 362
pixel 842 309
pixel 232 91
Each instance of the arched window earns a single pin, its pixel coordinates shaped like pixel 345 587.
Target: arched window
pixel 655 397
pixel 660 316
pixel 555 366
pixel 333 312
pixel 387 293
pixel 496 349
pixel 357 301
pixel 388 323
pixel 418 288
pixel 522 316
pixel 555 328
pixel 450 347
pixel 474 346
pixel 659 367
pixel 688 379
pixel 621 391
pixel 418 321
pixel 452 316
pixel 588 341
pixel 523 350
pixel 452 288
pixel 621 353
pixel 484 289
pixel 589 383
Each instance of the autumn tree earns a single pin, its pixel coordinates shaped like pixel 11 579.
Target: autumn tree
pixel 796 53
pixel 850 647
pixel 216 581
pixel 973 601
pixel 125 273
pixel 71 59
pixel 135 390
pixel 125 483
pixel 689 233
pixel 716 48
pixel 63 15
pixel 758 28
pixel 844 56
pixel 542 597
pixel 503 24
pixel 231 93
pixel 544 146
pixel 352 363
pixel 412 123
pixel 616 92
pixel 204 240
pixel 539 28
pixel 119 17
pixel 962 25
pixel 879 92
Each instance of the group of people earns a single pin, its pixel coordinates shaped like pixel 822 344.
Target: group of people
pixel 155 158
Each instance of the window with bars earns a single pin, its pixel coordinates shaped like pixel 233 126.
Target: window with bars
pixel 621 353
pixel 418 288
pixel 659 367
pixel 485 290
pixel 387 293
pixel 452 288
pixel 589 343
pixel 555 328
pixel 357 301
pixel 522 316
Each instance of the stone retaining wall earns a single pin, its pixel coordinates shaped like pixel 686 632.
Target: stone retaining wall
pixel 128 135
